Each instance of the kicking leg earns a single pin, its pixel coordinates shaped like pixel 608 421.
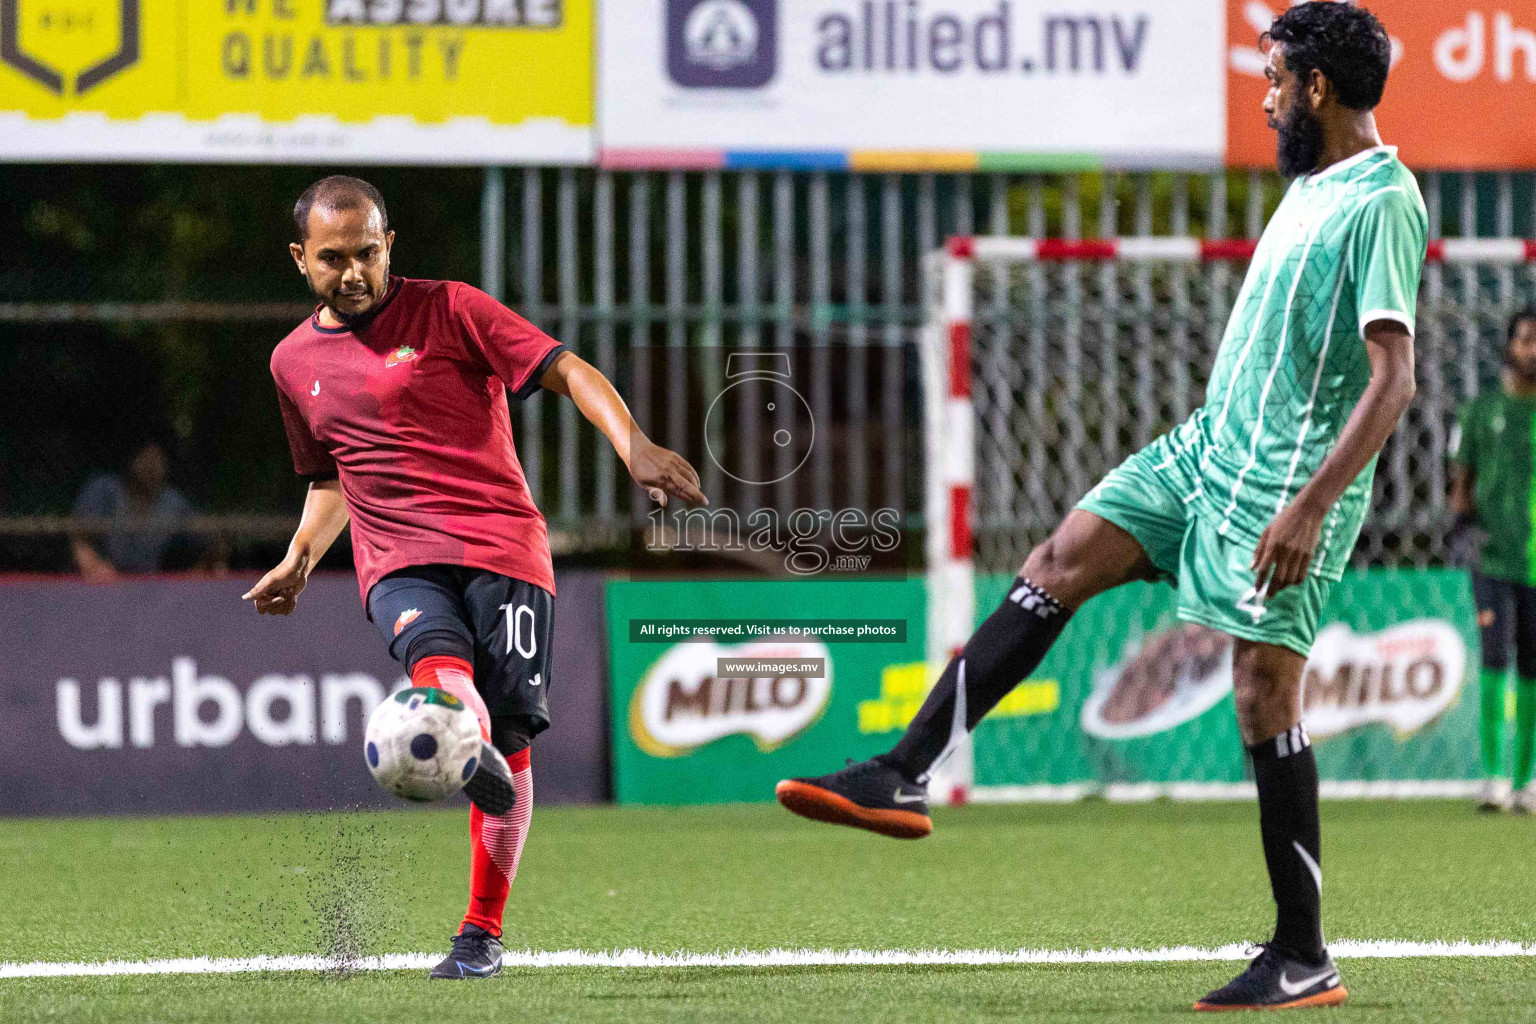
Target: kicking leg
pixel 439 653
pixel 1085 556
pixel 491 789
pixel 424 619
pixel 1295 968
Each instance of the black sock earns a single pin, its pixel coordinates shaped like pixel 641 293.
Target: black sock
pixel 1003 650
pixel 1286 773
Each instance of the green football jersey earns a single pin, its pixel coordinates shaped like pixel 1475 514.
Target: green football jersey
pixel 1345 247
pixel 1496 436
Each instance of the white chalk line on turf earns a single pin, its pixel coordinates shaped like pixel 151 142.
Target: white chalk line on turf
pixel 1346 949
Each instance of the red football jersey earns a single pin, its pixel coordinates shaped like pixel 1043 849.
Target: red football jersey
pixel 411 412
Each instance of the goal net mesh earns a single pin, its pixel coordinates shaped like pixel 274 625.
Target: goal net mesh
pixel 1077 364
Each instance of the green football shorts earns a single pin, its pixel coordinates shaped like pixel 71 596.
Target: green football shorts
pixel 1151 496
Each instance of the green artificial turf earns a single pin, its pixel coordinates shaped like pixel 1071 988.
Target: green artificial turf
pixel 1053 877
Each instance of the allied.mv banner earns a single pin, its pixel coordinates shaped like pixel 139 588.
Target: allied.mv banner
pixel 911 84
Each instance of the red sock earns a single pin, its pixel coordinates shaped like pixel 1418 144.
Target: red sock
pixel 495 847
pixel 457 676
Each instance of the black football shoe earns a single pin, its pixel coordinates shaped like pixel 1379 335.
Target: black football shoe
pixel 1276 981
pixel 476 954
pixel 868 794
pixel 490 787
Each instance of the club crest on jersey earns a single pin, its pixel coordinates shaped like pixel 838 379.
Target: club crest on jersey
pixel 403 354
pixel 407 617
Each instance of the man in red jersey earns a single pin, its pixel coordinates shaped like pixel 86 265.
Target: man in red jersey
pixel 394 400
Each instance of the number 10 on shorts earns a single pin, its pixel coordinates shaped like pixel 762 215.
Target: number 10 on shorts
pixel 521 634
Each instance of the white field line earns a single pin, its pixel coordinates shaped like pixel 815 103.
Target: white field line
pixel 1347 949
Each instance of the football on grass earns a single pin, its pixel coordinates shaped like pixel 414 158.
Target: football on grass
pixel 422 744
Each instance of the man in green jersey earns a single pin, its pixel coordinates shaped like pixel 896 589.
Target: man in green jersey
pixel 1252 506
pixel 1495 536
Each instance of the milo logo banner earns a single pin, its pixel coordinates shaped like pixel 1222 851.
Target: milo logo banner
pixel 719 689
pixel 1145 698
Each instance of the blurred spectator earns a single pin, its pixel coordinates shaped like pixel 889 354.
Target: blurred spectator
pixel 126 547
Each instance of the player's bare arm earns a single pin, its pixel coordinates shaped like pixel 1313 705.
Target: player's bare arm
pixel 659 470
pixel 325 516
pixel 1287 546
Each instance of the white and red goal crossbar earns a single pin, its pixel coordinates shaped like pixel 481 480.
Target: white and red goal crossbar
pixel 949 417
pixel 1204 250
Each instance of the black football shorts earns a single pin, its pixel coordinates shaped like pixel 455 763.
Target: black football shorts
pixel 501 626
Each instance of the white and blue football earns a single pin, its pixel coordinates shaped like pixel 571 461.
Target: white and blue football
pixel 422 744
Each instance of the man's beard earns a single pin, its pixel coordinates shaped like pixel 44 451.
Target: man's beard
pixel 353 320
pixel 1299 142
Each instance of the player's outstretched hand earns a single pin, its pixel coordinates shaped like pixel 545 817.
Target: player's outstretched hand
pixel 279 589
pixel 1285 548
pixel 662 471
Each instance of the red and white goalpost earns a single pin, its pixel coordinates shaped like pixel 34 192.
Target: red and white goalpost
pixel 1178 318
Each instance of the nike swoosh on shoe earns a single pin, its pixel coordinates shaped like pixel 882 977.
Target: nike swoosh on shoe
pixel 1292 988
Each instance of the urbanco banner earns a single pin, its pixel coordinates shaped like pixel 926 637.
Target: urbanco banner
pixel 172 695
pixel 297 81
pixel 911 84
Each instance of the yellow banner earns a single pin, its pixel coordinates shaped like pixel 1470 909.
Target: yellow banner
pixel 445 81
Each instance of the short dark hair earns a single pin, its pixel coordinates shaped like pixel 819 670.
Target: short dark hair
pixel 338 192
pixel 1345 42
pixel 1517 318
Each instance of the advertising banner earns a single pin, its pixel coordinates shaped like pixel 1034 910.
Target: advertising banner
pixel 718 710
pixel 297 81
pixel 172 695
pixel 1461 93
pixel 909 84
pixel 1145 698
